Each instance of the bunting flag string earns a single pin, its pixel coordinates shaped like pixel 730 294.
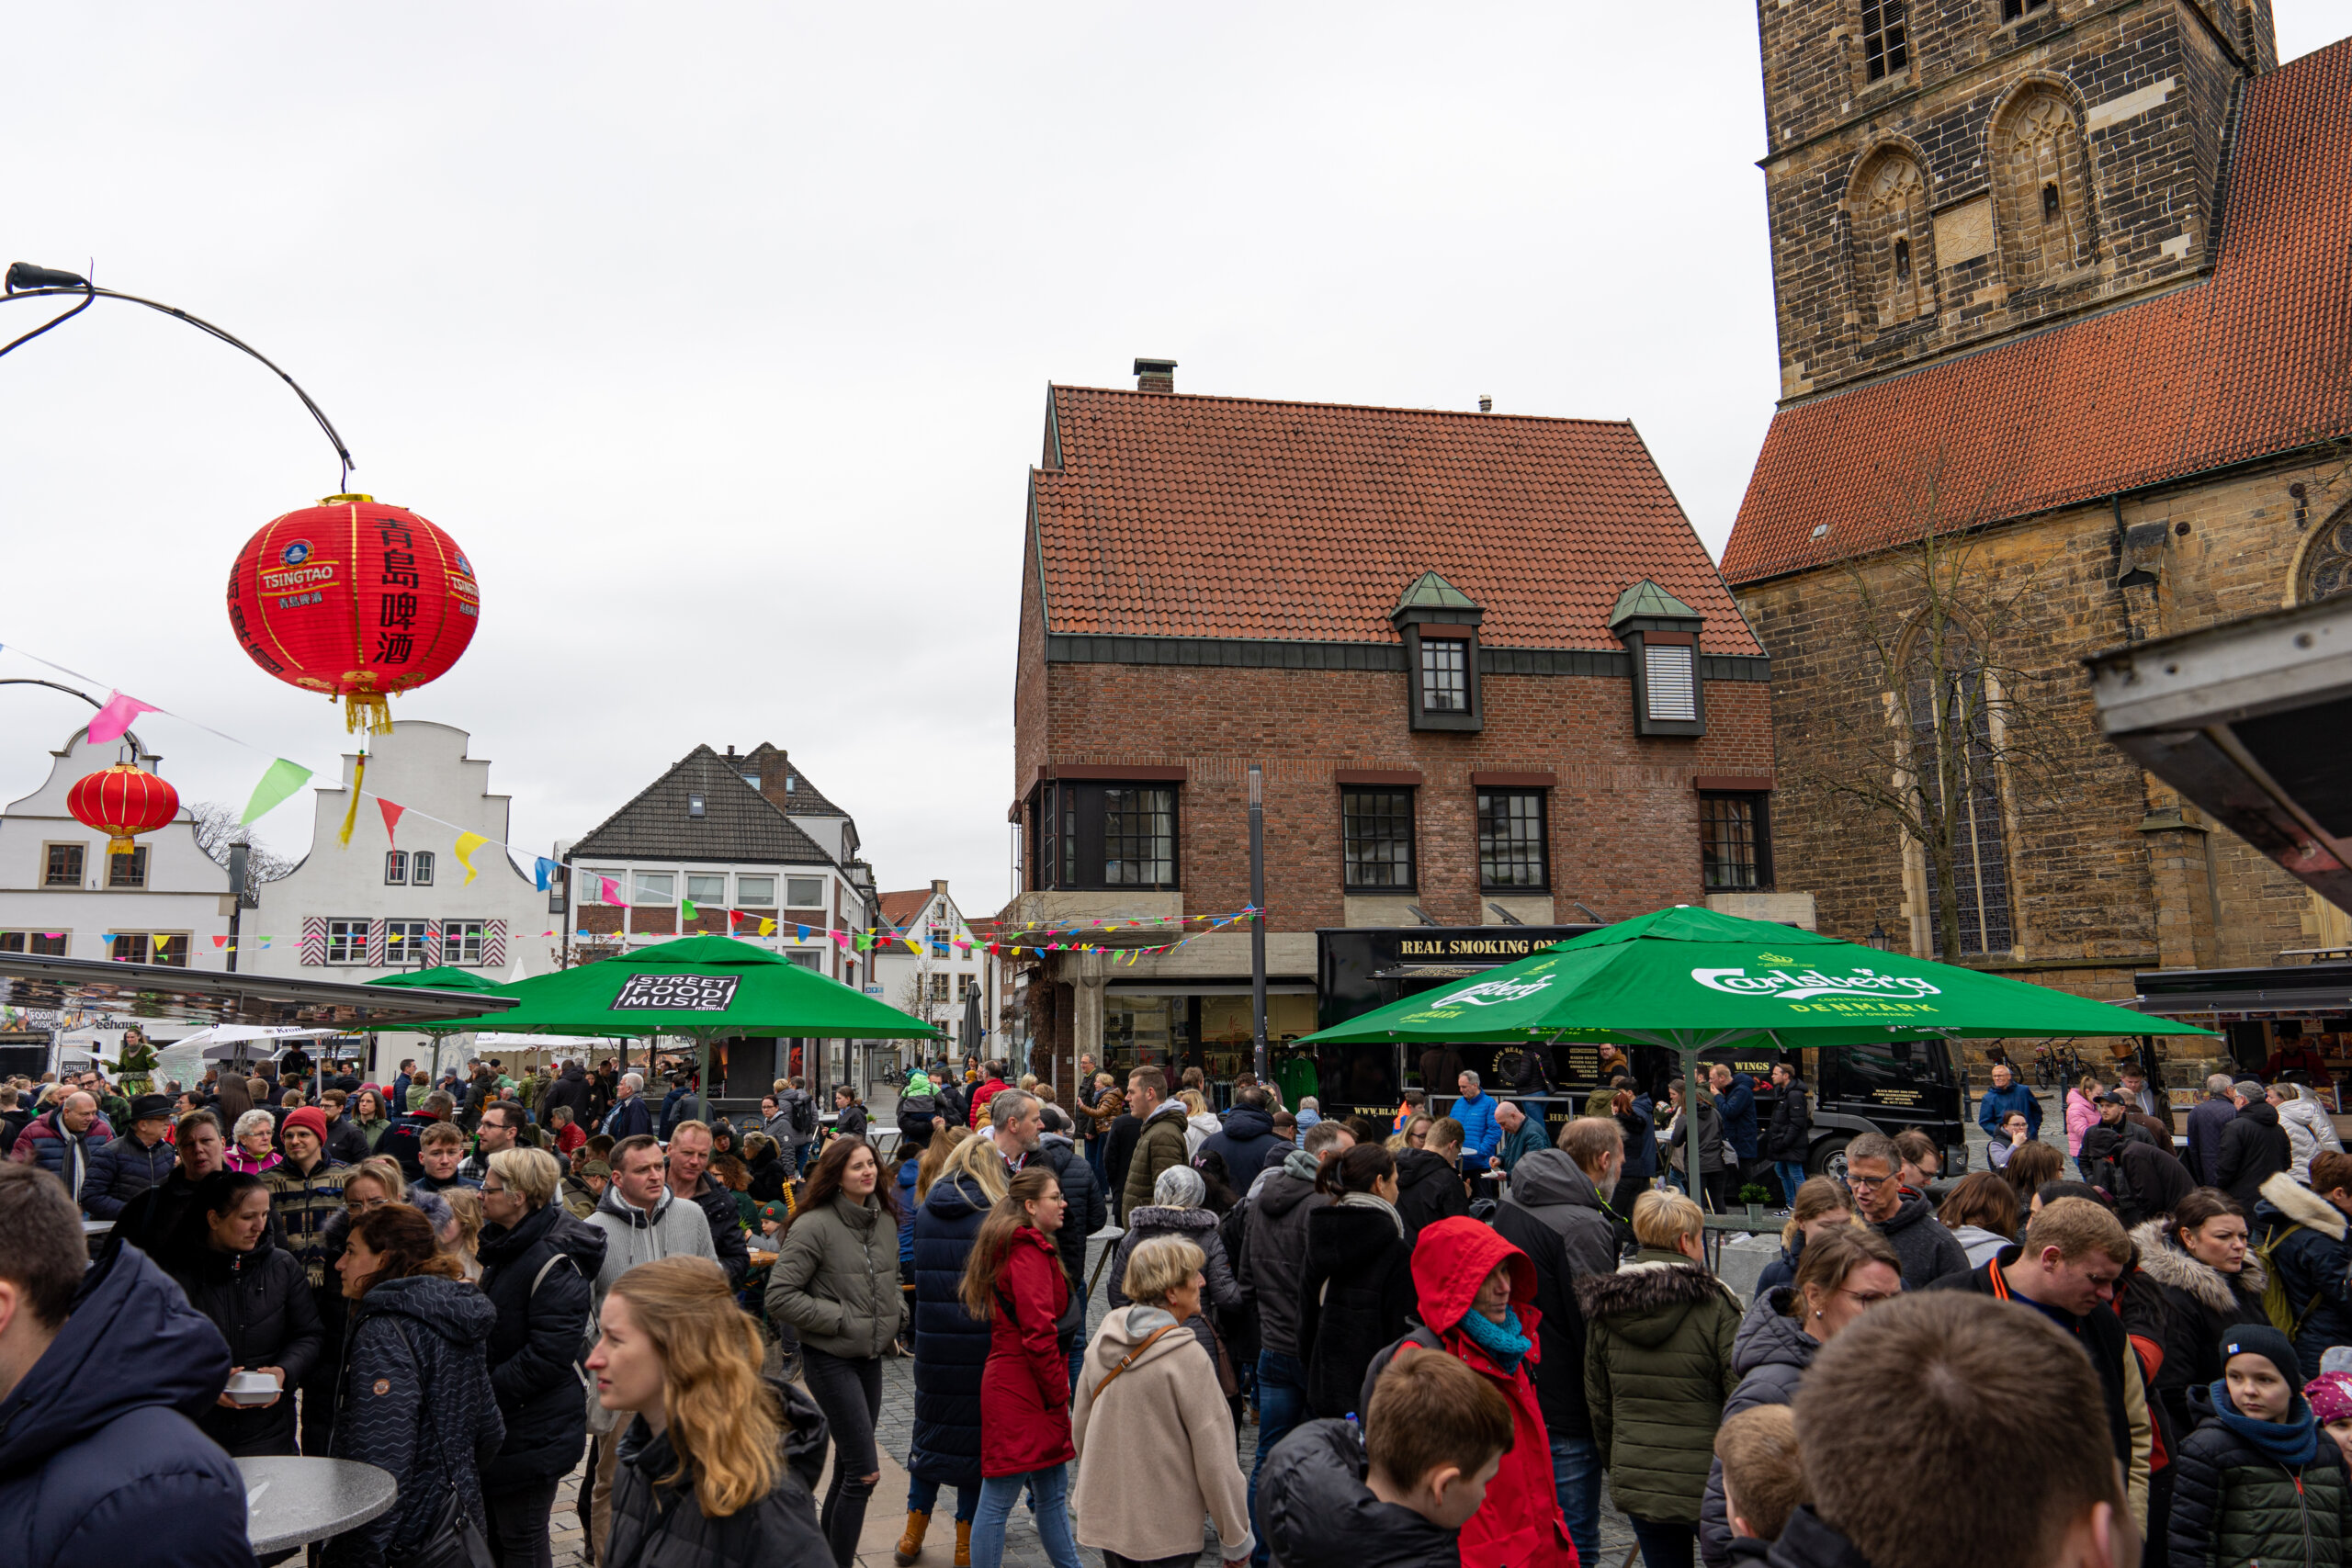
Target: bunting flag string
pixel 392 821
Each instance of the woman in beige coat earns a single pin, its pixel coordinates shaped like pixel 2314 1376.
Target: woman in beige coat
pixel 1162 1453
pixel 836 1282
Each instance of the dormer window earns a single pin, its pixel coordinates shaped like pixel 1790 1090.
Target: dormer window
pixel 1438 624
pixel 1661 635
pixel 693 805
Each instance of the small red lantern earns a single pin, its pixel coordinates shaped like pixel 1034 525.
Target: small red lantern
pixel 121 801
pixel 356 599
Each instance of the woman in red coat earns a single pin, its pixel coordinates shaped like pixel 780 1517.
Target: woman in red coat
pixel 1015 1284
pixel 1477 1304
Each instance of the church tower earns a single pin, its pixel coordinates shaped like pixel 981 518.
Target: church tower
pixel 1945 172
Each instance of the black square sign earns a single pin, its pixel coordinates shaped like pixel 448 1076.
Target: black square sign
pixel 676 993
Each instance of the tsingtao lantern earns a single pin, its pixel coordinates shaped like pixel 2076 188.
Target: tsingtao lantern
pixel 356 599
pixel 122 802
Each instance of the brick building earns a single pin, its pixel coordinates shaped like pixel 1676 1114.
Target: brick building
pixel 1488 668
pixel 2071 271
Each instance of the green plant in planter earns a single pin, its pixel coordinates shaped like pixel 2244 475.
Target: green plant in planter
pixel 1755 1194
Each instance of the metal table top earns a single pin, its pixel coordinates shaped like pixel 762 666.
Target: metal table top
pixel 291 1502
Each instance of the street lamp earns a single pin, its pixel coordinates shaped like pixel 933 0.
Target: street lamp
pixel 1879 938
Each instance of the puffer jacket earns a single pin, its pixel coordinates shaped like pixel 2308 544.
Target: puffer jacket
pixel 2309 1132
pixel 1356 1297
pixel 1277 1249
pixel 836 1279
pixel 2232 1503
pixel 1769 1356
pixel 951 1344
pixel 1789 1136
pixel 416 1400
pixel 541 1277
pixel 43 1143
pixel 121 1172
pixel 1658 1367
pixel 1248 1144
pixel 2184 1306
pixel 1318 1511
pixel 261 1306
pixel 99 1448
pixel 2254 1148
pixel 2315 1265
pixel 1025 1389
pixel 1429 1189
pixel 1556 1190
pixel 1160 1144
pixel 1195 1225
pixel 662 1526
pixel 1480 1130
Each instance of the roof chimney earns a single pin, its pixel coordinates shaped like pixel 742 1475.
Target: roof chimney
pixel 1485 403
pixel 1155 375
pixel 938 885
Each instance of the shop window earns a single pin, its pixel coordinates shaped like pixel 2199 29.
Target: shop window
pixel 1108 836
pixel 1511 841
pixel 128 870
pixel 62 866
pixel 1376 839
pixel 1736 842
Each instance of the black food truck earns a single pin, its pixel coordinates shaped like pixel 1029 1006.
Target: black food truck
pixel 1880 1087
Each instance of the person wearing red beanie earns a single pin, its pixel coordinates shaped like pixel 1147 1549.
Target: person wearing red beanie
pixel 305 1190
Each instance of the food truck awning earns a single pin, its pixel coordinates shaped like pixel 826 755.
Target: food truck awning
pixel 87 985
pixel 2286 990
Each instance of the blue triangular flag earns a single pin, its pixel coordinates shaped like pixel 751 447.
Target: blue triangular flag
pixel 543 869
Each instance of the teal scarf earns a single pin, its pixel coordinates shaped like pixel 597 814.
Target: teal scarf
pixel 1502 1342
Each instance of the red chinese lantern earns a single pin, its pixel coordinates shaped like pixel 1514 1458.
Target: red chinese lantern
pixel 356 599
pixel 122 801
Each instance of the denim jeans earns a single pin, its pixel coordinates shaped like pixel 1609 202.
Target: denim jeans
pixel 1049 1501
pixel 1792 1175
pixel 1281 1404
pixel 850 1394
pixel 923 1498
pixel 1576 1480
pixel 1663 1545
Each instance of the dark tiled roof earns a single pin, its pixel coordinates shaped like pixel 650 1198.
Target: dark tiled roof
pixel 777 770
pixel 738 822
pixel 1183 515
pixel 2247 363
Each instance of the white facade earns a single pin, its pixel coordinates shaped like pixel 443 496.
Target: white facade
pixel 730 898
pixel 400 899
pixel 61 894
pixel 948 964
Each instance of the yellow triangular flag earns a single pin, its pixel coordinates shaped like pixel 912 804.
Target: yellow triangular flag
pixel 767 927
pixel 467 844
pixel 161 941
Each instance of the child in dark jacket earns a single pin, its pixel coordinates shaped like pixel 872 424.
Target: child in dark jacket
pixel 2257 1481
pixel 1397 1495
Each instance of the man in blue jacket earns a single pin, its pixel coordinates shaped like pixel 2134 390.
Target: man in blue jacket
pixel 2006 1095
pixel 98 1369
pixel 1735 1104
pixel 1481 1133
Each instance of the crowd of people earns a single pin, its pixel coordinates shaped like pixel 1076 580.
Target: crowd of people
pixel 1450 1329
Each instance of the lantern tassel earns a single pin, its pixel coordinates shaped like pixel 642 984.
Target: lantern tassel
pixel 119 845
pixel 367 713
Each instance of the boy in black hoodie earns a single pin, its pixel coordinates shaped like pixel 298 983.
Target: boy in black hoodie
pixel 1397 1495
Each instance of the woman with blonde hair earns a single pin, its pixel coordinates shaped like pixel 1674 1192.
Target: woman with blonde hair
pixel 1164 1456
pixel 2081 1112
pixel 1200 1123
pixel 965 1177
pixel 717 1466
pixel 461 1234
pixel 1015 1283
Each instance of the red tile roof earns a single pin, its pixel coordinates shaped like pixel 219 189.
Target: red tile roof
pixel 900 907
pixel 2248 362
pixel 1183 515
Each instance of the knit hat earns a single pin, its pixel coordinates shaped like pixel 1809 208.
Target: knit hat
pixel 2330 1395
pixel 2248 1088
pixel 587 1168
pixel 2261 1339
pixel 777 1213
pixel 310 1117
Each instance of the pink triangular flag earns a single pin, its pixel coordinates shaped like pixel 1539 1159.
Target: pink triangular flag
pixel 391 817
pixel 114 717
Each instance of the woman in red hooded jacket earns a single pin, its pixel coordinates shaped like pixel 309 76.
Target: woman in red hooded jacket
pixel 1014 1283
pixel 1477 1302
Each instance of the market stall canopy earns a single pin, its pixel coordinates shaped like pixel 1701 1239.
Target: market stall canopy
pixel 77 989
pixel 704 987
pixel 443 978
pixel 1695 979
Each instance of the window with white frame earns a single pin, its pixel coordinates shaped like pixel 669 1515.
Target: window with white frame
pixel 654 888
pixel 592 890
pixel 404 942
pixel 461 941
pixel 395 868
pixel 807 958
pixel 705 889
pixel 755 892
pixel 419 869
pixel 805 892
pixel 346 941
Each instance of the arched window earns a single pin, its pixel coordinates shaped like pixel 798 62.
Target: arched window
pixel 1889 255
pixel 2327 565
pixel 1955 766
pixel 2042 182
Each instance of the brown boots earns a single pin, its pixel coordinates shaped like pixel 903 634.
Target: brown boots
pixel 963 1543
pixel 911 1543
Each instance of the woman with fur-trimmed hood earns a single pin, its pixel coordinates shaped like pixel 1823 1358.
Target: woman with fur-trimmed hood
pixel 2196 1277
pixel 2305 1228
pixel 1658 1367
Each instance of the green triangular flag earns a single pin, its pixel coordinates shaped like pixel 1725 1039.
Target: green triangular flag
pixel 687 907
pixel 282 780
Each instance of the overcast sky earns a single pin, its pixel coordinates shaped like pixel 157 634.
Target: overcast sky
pixel 718 335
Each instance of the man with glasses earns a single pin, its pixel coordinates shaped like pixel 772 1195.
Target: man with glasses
pixel 1907 1219
pixel 2066 1268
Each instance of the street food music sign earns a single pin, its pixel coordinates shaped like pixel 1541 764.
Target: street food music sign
pixel 676 993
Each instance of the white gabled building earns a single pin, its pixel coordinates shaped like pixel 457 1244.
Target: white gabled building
pixel 61 894
pixel 947 963
pixel 398 896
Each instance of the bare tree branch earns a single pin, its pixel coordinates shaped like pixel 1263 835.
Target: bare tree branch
pixel 218 829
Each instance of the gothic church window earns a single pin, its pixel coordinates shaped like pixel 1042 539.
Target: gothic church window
pixel 1886 41
pixel 1952 757
pixel 2012 9
pixel 1890 246
pixel 2327 565
pixel 2041 180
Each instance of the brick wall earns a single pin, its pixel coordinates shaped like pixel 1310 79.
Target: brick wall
pixel 2147 85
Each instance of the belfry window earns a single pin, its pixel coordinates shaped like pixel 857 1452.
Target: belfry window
pixel 1886 46
pixel 1903 261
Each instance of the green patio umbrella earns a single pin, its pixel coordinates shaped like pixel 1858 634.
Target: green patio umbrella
pixel 441 979
pixel 704 987
pixel 1694 980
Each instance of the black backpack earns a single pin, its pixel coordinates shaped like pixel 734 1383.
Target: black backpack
pixel 804 1114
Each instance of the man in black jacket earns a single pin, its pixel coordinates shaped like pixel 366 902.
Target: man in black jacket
pixel 570 1089
pixel 149 1219
pixel 2072 1254
pixel 1429 1179
pixel 1246 1141
pixel 2254 1148
pixel 132 1163
pixel 1789 1136
pixel 690 1178
pixel 1277 1251
pixel 347 1145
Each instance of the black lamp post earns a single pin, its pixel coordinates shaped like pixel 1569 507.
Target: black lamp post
pixel 1879 938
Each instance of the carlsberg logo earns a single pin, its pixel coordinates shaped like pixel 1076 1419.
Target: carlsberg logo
pixel 1486 993
pixel 1863 984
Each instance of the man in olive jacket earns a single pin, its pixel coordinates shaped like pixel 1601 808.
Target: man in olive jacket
pixel 1158 1144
